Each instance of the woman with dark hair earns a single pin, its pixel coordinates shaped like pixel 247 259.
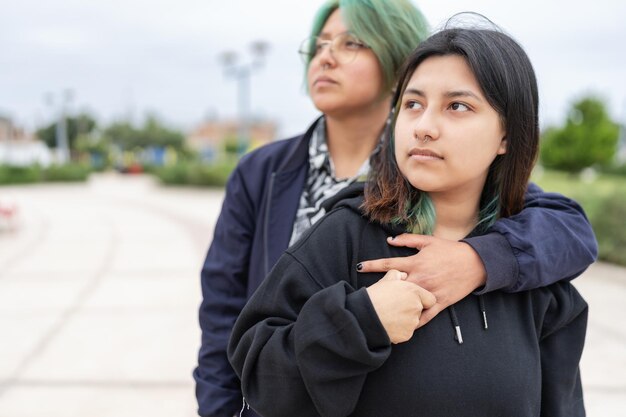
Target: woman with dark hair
pixel 320 339
pixel 352 58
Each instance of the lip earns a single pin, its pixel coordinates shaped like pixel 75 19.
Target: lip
pixel 324 80
pixel 421 154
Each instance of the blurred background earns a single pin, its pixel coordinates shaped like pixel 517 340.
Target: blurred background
pixel 119 125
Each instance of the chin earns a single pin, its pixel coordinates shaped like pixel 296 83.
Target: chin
pixel 330 110
pixel 425 186
pixel 321 104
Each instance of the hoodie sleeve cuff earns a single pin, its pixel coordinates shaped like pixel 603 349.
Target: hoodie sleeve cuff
pixel 361 306
pixel 499 261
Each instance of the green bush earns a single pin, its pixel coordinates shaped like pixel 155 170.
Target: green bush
pixel 615 169
pixel 608 224
pixel 10 174
pixel 66 173
pixel 195 173
pixel 171 175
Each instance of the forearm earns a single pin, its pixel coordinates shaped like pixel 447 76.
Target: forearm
pixel 289 361
pixel 498 259
pixel 550 240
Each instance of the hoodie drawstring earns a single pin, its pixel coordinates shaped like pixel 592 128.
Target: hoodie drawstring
pixel 455 320
pixel 243 407
pixel 481 303
pixel 455 323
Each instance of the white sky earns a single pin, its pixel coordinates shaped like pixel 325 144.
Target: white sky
pixel 125 58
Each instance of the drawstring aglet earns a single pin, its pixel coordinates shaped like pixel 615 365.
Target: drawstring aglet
pixel 459 336
pixel 455 323
pixel 481 303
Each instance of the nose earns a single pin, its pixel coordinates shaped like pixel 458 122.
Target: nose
pixel 326 57
pixel 426 126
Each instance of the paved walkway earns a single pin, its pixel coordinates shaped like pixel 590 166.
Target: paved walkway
pixel 99 290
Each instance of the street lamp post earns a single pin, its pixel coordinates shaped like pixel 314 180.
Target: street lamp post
pixel 242 73
pixel 63 152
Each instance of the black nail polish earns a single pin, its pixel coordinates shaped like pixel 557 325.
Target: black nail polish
pixel 359 266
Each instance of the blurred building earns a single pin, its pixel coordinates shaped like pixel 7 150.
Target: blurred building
pixel 212 137
pixel 18 147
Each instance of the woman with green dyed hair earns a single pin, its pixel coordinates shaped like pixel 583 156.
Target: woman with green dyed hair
pixel 279 191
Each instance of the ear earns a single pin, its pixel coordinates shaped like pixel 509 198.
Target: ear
pixel 503 145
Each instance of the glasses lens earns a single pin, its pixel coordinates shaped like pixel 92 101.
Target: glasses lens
pixel 344 47
pixel 307 49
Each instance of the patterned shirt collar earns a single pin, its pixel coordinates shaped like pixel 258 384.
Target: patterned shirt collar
pixel 319 157
pixel 321 183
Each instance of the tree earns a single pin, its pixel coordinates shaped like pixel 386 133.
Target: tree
pixel 79 125
pixel 156 133
pixel 589 137
pixel 122 134
pixel 152 133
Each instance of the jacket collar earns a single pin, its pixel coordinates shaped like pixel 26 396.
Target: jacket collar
pixel 299 152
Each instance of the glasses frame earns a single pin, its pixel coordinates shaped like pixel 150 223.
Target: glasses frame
pixel 319 44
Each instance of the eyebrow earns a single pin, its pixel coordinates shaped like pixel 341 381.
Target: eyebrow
pixel 330 36
pixel 448 94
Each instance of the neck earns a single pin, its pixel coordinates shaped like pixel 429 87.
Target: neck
pixel 352 138
pixel 457 214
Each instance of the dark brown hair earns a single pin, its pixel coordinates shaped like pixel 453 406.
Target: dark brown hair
pixel 507 79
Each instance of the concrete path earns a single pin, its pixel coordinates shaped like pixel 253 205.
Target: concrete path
pixel 99 289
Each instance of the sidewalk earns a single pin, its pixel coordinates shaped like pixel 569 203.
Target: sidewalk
pixel 99 289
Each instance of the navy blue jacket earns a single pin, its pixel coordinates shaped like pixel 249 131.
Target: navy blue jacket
pixel 550 240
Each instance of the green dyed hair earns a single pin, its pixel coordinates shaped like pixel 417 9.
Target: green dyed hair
pixel 420 218
pixel 391 28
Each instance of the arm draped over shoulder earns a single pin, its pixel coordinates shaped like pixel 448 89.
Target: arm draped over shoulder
pixel 550 240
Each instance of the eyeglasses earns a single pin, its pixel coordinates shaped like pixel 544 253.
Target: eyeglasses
pixel 343 47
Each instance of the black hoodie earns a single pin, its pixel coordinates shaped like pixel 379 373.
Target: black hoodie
pixel 309 342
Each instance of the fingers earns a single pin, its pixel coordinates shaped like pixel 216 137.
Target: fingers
pixel 430 313
pixel 399 263
pixel 427 297
pixel 394 275
pixel 410 240
pixel 383 265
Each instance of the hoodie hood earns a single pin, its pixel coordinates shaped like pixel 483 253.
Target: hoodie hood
pixel 352 197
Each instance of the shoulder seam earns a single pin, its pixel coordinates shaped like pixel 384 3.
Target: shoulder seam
pixel 304 268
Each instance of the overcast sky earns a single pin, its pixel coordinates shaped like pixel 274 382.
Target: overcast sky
pixel 127 58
